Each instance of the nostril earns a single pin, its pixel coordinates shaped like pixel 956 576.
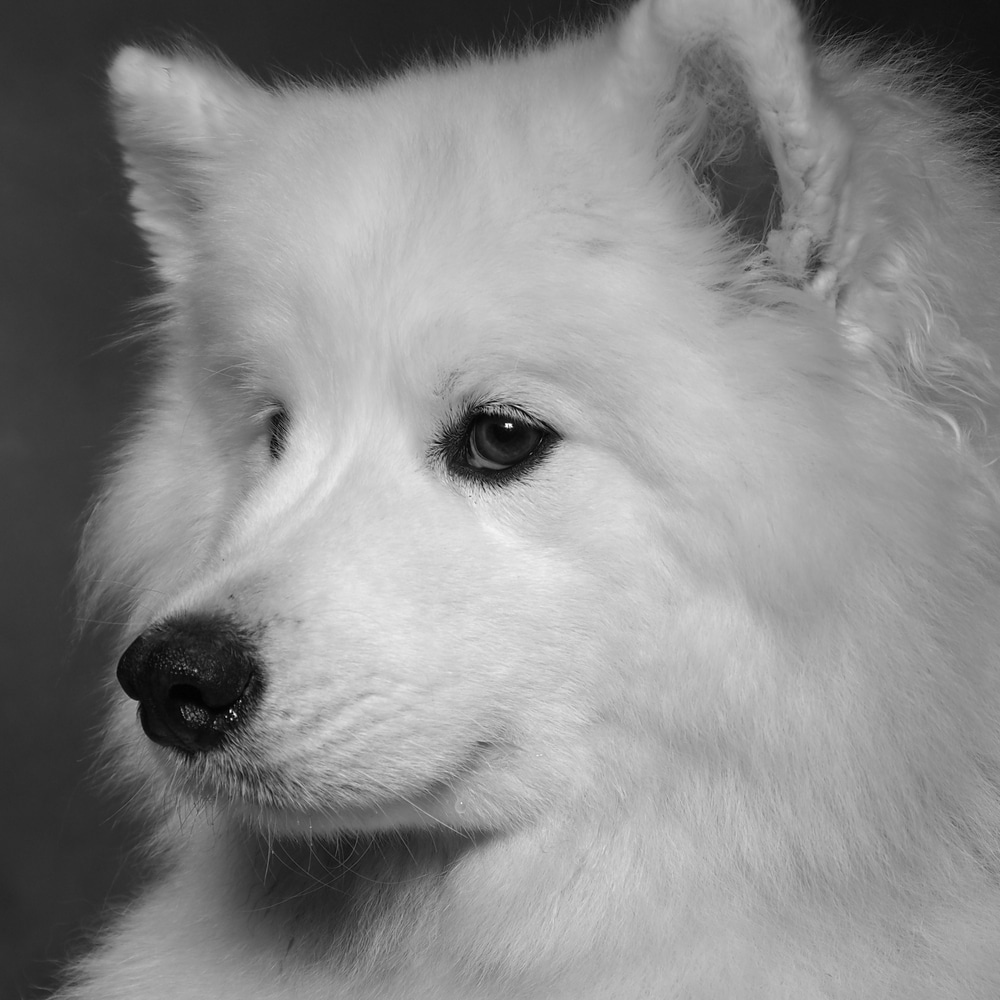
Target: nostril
pixel 188 693
pixel 203 710
pixel 196 679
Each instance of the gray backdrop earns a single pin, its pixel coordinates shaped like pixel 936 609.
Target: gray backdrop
pixel 69 267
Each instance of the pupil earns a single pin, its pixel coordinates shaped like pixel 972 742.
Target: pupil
pixel 505 437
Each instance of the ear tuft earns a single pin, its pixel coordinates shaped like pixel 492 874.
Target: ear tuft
pixel 188 98
pixel 175 114
pixel 755 53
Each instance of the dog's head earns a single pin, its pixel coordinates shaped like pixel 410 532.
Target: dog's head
pixel 524 440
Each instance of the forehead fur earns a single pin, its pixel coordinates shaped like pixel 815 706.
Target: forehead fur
pixel 403 204
pixel 487 147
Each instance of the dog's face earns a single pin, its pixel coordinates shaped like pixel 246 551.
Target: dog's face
pixel 422 387
pixel 489 471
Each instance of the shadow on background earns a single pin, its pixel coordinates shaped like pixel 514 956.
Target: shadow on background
pixel 70 266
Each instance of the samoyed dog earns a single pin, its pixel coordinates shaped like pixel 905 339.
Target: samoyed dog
pixel 559 557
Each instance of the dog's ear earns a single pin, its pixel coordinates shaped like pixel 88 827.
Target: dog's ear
pixel 747 111
pixel 175 115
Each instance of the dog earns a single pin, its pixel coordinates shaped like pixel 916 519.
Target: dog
pixel 559 552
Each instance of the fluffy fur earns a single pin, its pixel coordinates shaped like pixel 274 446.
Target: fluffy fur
pixel 700 698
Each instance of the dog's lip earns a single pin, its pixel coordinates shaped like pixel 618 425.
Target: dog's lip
pixel 261 795
pixel 262 798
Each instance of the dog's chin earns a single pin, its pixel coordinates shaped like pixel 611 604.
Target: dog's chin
pixel 296 823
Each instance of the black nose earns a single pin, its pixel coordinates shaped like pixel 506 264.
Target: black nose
pixel 196 679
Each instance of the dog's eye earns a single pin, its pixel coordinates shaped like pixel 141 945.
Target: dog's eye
pixel 277 433
pixel 493 444
pixel 497 442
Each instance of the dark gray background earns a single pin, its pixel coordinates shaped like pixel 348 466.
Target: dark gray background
pixel 69 267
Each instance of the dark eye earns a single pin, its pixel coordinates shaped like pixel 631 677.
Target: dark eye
pixel 497 442
pixel 277 433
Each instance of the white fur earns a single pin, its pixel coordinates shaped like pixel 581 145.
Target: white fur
pixel 703 705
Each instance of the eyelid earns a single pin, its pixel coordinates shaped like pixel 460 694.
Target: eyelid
pixel 452 447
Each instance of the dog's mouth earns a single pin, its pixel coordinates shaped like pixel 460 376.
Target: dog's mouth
pixel 264 797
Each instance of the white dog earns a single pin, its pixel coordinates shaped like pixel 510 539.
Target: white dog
pixel 561 550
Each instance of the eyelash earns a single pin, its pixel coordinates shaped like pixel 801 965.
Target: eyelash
pixel 465 446
pixel 278 426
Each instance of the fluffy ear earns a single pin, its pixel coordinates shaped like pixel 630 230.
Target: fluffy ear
pixel 760 128
pixel 175 114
